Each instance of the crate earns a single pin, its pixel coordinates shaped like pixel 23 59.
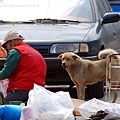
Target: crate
pixel 112 75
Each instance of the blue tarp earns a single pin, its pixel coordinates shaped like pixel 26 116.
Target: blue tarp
pixel 10 112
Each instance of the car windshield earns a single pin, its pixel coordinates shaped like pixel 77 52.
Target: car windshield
pixel 25 10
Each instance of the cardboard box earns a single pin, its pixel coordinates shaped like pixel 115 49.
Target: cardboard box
pixel 77 103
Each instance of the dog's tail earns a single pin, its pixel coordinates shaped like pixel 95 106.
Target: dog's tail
pixel 107 52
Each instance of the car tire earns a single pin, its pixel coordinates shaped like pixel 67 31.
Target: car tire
pixel 95 90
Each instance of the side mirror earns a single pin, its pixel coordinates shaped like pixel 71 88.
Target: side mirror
pixel 110 18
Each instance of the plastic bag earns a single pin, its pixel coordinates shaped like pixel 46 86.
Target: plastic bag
pixel 94 105
pixel 3 86
pixel 47 105
pixel 10 112
pixel 27 113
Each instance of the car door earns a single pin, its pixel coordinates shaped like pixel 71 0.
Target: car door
pixel 110 33
pixel 116 25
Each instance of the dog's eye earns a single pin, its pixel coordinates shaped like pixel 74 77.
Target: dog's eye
pixel 104 57
pixel 68 59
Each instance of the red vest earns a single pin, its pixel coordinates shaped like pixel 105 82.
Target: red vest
pixel 30 69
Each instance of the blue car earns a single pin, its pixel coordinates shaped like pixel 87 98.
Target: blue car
pixel 115 4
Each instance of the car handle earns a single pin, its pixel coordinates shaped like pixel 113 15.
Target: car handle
pixel 114 35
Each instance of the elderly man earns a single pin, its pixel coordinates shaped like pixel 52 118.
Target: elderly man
pixel 24 66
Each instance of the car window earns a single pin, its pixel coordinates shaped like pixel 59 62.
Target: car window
pixel 101 8
pixel 20 10
pixel 81 11
pixel 107 6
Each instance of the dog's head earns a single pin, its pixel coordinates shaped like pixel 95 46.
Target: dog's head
pixel 68 59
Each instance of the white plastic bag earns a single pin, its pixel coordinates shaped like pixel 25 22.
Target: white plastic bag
pixel 3 86
pixel 47 105
pixel 92 106
pixel 27 113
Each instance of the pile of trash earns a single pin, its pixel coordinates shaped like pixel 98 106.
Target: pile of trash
pixel 42 105
pixel 46 105
pixel 95 109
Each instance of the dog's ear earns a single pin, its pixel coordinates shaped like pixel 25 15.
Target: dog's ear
pixel 75 56
pixel 60 56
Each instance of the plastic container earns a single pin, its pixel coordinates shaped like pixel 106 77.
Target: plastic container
pixel 15 102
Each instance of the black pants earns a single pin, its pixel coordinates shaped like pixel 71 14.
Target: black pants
pixel 17 95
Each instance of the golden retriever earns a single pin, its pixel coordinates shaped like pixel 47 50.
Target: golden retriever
pixel 86 72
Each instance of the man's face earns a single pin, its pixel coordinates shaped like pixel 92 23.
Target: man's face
pixel 9 45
